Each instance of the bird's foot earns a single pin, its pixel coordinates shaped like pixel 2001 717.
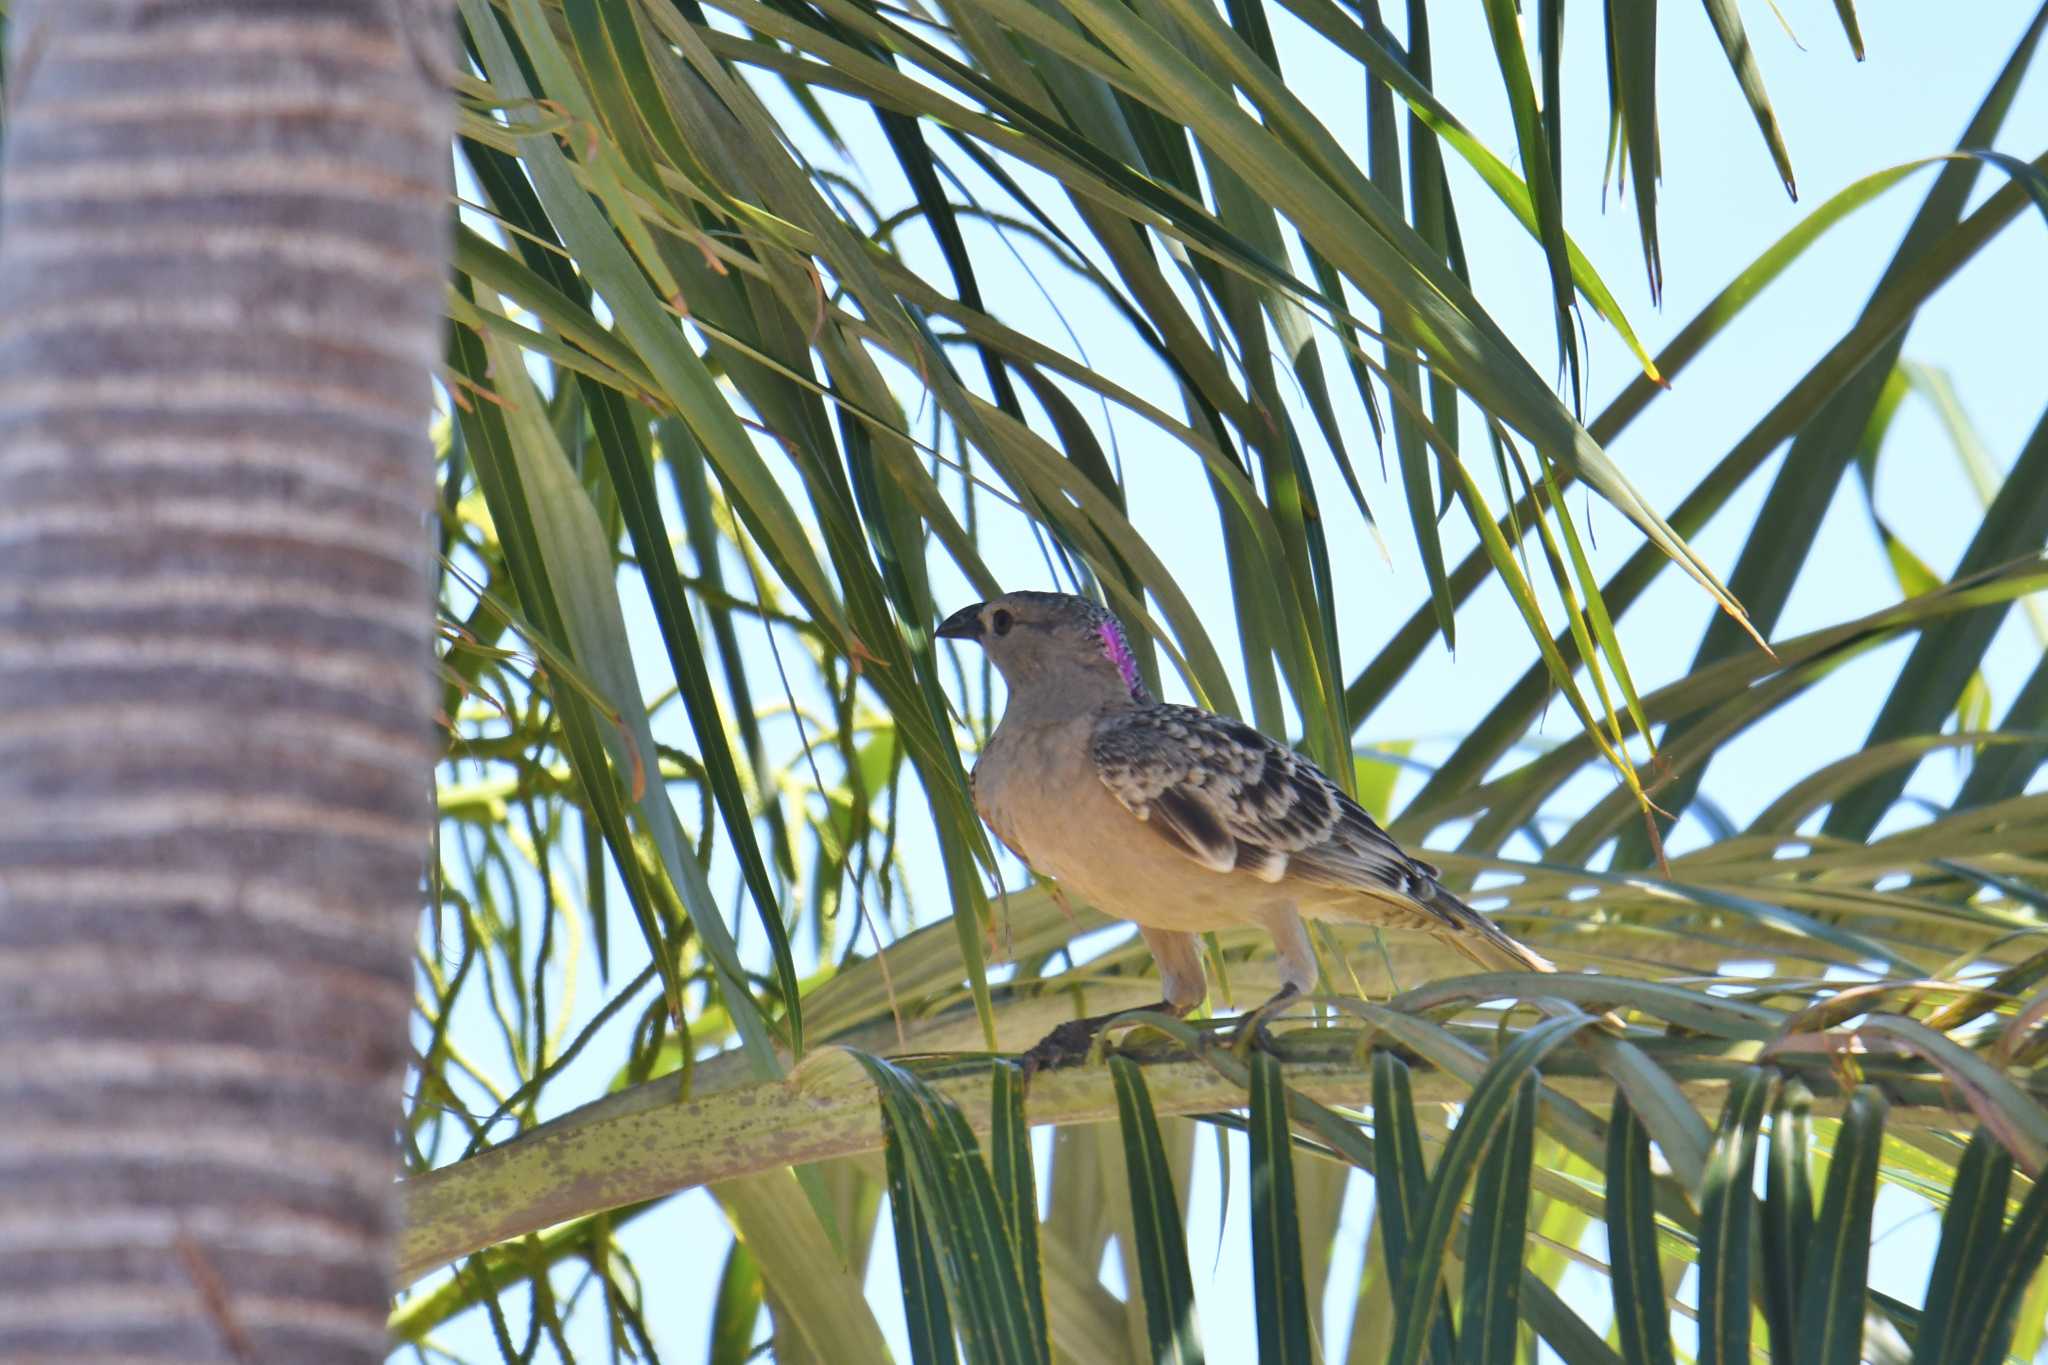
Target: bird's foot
pixel 1251 1028
pixel 1064 1046
pixel 1251 1031
pixel 1072 1041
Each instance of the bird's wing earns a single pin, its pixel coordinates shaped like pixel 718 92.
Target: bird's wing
pixel 1235 801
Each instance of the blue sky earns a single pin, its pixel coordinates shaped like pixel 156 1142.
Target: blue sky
pixel 1721 204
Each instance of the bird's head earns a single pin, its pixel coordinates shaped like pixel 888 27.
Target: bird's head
pixel 1050 637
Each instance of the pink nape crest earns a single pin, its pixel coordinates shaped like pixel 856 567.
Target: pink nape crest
pixel 1118 651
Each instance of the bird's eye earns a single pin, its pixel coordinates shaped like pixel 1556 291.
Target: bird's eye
pixel 1000 622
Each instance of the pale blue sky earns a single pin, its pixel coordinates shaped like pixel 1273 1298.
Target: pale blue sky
pixel 1721 204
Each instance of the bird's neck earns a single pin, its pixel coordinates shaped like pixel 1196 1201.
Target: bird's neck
pixel 1057 698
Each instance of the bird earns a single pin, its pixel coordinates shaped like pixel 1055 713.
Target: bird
pixel 1179 820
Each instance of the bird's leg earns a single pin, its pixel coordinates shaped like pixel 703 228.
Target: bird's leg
pixel 1251 1025
pixel 1070 1042
pixel 1297 961
pixel 1180 977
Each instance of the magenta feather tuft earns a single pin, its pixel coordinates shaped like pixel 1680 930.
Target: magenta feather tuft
pixel 1118 651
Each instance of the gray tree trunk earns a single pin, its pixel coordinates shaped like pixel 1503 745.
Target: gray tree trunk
pixel 222 242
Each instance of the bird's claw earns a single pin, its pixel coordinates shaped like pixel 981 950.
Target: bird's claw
pixel 1064 1046
pixel 1252 1031
pixel 1252 1028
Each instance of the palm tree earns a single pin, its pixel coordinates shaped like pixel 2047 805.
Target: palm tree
pixel 222 239
pixel 748 385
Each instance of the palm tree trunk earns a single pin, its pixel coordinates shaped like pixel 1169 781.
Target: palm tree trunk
pixel 222 230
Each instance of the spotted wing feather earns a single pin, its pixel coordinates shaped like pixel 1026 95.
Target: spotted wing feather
pixel 1235 801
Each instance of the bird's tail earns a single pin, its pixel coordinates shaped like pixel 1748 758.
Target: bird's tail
pixel 1479 938
pixel 1494 948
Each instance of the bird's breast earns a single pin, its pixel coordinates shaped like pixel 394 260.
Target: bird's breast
pixel 1038 789
pixel 1034 785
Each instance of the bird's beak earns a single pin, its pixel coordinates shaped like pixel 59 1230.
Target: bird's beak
pixel 964 624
